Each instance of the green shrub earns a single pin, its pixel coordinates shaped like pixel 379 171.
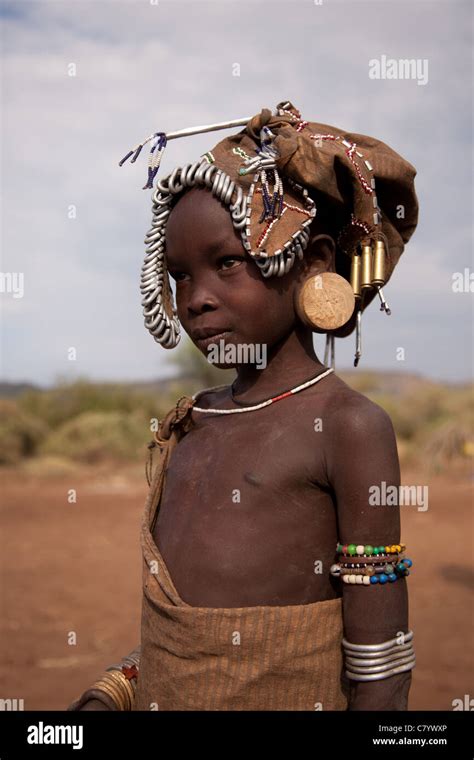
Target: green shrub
pixel 94 437
pixel 20 433
pixel 68 400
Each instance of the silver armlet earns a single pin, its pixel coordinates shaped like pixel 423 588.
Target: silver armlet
pixel 373 662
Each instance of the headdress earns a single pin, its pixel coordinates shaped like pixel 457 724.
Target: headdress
pixel 273 175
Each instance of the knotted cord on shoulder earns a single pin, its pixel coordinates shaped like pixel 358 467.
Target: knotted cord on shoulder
pixel 177 420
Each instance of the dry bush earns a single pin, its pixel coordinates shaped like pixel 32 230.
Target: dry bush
pixel 68 400
pixel 94 437
pixel 450 443
pixel 20 433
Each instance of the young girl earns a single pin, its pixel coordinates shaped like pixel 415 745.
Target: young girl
pixel 270 581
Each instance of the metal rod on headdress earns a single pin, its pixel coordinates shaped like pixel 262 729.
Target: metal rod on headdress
pixel 358 352
pixel 329 353
pixel 208 128
pixel 185 133
pixel 160 140
pixel 383 304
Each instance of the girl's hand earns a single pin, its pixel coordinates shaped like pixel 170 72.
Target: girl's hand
pixel 95 704
pixel 92 699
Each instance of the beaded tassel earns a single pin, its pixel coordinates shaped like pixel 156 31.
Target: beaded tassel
pixel 265 161
pixel 269 203
pixel 154 159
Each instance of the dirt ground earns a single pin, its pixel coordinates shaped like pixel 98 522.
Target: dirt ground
pixel 74 569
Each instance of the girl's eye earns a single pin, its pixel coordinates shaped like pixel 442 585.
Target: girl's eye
pixel 233 259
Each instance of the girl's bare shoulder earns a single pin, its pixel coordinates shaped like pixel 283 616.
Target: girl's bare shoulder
pixel 349 410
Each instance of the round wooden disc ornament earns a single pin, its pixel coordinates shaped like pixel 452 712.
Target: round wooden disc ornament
pixel 325 302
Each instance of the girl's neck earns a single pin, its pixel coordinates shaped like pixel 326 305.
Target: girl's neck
pixel 290 362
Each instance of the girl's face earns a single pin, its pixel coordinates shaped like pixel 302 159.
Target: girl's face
pixel 218 287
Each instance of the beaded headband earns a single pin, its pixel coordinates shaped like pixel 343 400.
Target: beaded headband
pixel 265 174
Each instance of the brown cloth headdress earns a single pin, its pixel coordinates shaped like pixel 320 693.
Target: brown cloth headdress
pixel 273 175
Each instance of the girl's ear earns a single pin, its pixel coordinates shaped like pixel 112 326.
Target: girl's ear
pixel 323 300
pixel 320 255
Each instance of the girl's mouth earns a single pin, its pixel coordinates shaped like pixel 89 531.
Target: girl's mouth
pixel 204 343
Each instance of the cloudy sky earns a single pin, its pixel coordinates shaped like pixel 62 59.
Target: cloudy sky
pixel 142 66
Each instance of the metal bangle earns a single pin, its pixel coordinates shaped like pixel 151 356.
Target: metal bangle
pixel 113 693
pixel 378 660
pixel 121 687
pixel 379 676
pixel 382 668
pixel 383 653
pixel 134 655
pixel 376 647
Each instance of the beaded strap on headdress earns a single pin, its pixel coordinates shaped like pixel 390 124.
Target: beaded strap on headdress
pixel 263 162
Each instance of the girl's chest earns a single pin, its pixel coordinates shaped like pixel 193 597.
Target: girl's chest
pixel 224 453
pixel 242 514
pixel 252 474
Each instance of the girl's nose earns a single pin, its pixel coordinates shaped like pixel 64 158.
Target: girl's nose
pixel 201 298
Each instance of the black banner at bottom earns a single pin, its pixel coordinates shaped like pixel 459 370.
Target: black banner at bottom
pixel 349 734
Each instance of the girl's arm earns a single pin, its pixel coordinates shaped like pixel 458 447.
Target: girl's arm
pixel 363 455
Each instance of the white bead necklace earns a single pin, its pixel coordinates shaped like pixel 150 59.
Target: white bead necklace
pixel 263 403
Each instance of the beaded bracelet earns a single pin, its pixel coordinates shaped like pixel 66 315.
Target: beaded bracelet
pixel 356 567
pixel 371 580
pixel 368 550
pixel 365 561
pixel 388 565
pixel 369 570
pixel 371 574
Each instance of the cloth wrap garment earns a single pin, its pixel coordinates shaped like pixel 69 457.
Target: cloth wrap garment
pixel 246 658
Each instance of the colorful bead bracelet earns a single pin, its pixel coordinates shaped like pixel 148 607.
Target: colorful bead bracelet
pixel 369 570
pixel 368 550
pixel 372 579
pixel 359 561
pixel 371 574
